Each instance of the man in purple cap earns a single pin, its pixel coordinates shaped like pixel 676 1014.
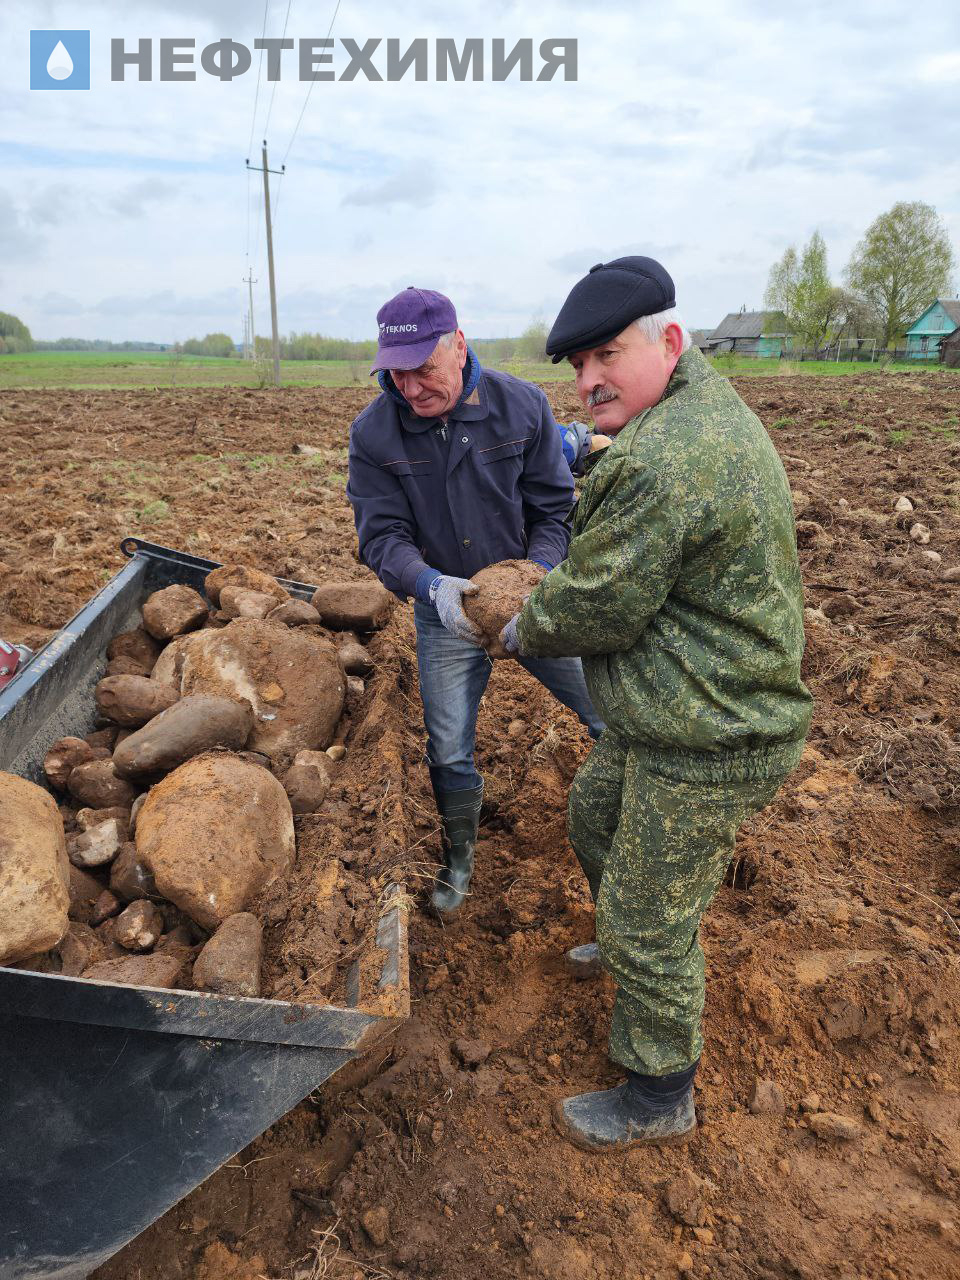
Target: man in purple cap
pixel 453 468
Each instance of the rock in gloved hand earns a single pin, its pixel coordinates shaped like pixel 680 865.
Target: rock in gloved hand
pixel 503 588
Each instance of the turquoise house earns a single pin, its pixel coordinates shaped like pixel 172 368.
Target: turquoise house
pixel 939 320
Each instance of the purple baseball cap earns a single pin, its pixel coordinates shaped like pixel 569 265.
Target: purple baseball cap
pixel 411 324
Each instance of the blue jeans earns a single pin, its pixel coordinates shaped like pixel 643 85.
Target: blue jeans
pixel 453 676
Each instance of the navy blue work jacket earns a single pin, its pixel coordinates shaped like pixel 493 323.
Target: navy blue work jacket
pixel 488 484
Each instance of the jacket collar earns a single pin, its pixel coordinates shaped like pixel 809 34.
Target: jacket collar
pixel 471 406
pixel 691 368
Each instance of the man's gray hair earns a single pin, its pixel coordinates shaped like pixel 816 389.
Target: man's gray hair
pixel 446 339
pixel 653 327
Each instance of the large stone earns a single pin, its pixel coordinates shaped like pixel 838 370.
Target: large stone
pixel 354 606
pixel 503 589
pixel 197 723
pixel 131 701
pixel 63 757
pixel 153 970
pixel 241 575
pixel 97 785
pixel 214 833
pixel 230 962
pixel 138 645
pixel 173 611
pixel 34 871
pixel 170 663
pixel 289 677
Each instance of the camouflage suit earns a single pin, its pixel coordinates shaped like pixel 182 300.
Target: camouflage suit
pixel 682 594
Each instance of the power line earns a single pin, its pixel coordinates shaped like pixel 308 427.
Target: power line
pixel 253 122
pixel 256 96
pixel 309 90
pixel 266 127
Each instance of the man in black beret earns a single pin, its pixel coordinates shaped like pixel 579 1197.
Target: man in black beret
pixel 682 594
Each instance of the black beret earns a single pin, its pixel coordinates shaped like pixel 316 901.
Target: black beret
pixel 606 300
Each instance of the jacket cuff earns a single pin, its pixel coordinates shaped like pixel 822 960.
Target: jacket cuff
pixel 544 564
pixel 422 583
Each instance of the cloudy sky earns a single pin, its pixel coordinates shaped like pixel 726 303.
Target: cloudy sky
pixel 708 134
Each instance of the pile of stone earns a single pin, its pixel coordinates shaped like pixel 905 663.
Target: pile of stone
pixel 218 721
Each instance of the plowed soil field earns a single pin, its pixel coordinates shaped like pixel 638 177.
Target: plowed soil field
pixel 833 949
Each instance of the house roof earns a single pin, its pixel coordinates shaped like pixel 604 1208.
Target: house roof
pixel 950 305
pixel 749 324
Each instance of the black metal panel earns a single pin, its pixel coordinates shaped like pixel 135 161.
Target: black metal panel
pixel 102 1129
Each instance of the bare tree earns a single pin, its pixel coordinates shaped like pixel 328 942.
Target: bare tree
pixel 902 264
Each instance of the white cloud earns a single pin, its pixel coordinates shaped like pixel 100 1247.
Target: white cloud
pixel 711 136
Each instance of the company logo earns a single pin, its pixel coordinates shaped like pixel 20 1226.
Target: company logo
pixel 398 328
pixel 59 59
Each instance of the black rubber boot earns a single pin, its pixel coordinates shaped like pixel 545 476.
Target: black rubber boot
pixel 584 961
pixel 460 816
pixel 653 1109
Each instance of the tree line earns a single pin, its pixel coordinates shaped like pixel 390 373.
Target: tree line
pixel 901 265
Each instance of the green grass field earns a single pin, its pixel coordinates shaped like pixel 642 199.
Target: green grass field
pixel 80 370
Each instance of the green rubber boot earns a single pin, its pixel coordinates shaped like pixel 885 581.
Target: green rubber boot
pixel 460 816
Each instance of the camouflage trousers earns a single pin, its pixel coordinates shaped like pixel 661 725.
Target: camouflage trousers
pixel 654 834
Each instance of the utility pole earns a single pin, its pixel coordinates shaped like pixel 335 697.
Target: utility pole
pixel 252 350
pixel 266 171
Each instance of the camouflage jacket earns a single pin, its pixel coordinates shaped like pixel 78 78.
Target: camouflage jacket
pixel 681 589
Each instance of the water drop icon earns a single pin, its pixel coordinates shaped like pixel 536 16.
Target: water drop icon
pixel 60 64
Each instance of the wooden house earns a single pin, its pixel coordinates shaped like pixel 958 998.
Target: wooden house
pixel 751 333
pixel 940 320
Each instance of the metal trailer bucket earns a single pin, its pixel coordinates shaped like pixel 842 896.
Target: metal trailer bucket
pixel 116 1100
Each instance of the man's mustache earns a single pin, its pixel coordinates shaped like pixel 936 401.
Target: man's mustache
pixel 600 395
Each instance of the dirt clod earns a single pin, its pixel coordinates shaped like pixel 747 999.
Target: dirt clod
pixel 767 1099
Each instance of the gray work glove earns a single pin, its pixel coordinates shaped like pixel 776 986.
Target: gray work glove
pixel 446 596
pixel 509 638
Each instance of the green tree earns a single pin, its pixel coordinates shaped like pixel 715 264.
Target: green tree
pixel 214 344
pixel 902 264
pixel 532 343
pixel 14 334
pixel 799 286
